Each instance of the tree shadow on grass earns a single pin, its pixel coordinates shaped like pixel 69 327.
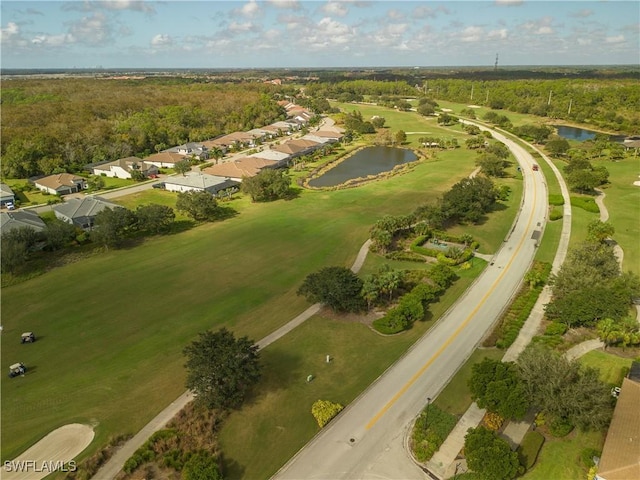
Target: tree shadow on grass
pixel 231 469
pixel 280 371
pixel 225 213
pixel 292 193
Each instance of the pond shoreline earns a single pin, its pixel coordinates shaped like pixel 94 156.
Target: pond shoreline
pixel 354 182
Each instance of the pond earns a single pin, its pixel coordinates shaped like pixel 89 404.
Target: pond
pixel 582 134
pixel 368 161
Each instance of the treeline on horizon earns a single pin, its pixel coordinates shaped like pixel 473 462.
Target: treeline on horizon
pixel 54 125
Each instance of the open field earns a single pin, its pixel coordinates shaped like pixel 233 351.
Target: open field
pixel 622 201
pixel 112 327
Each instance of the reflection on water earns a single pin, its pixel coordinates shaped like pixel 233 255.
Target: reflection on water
pixel 368 161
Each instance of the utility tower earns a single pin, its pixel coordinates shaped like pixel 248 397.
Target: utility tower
pixel 495 67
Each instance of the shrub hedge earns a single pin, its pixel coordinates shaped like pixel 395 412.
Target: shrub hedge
pixel 556 214
pixel 585 203
pixel 430 430
pixel 555 199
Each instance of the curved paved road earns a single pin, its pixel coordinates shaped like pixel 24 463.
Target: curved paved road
pixel 365 439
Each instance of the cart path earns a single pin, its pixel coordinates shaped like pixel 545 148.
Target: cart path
pixel 114 465
pixel 604 216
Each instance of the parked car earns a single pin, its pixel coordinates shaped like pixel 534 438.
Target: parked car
pixel 10 206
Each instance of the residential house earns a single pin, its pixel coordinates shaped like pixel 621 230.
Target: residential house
pixel 286 127
pixel 6 195
pixel 235 140
pixel 123 167
pixel 241 168
pixel 620 459
pixel 61 184
pixel 82 212
pixel 330 134
pixel 200 182
pixel 21 218
pixel 164 159
pixel 269 154
pixel 191 150
pixel 297 148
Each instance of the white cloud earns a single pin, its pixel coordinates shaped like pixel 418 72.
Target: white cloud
pixel 236 27
pixel 53 40
pixel 290 4
pixel 583 42
pixel 498 34
pixel 544 30
pixel 93 30
pixel 335 8
pixel 471 34
pixel 616 39
pixel 135 5
pixel 250 9
pixel 161 40
pixel 394 14
pixel 512 3
pixel 584 13
pixel 12 30
pixel 428 12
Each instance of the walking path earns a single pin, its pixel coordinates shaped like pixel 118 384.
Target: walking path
pixel 114 465
pixel 604 216
pixel 443 463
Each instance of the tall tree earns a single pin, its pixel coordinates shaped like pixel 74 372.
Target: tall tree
pixel 338 287
pixel 199 205
pixel 111 226
pixel 222 369
pixel 469 199
pixel 489 456
pixel 270 184
pixel 155 218
pixel 182 167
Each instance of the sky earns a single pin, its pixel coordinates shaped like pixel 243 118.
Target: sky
pixel 300 33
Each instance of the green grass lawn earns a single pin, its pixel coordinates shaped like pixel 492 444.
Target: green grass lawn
pixel 622 201
pixel 611 366
pixel 559 458
pixel 455 398
pixel 28 197
pixel 112 326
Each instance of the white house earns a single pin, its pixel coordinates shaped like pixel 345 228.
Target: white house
pixel 200 182
pixel 61 184
pixel 123 167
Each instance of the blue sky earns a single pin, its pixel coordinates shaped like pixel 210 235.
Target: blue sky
pixel 297 33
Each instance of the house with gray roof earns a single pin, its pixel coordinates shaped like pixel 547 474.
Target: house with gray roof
pixel 21 218
pixel 200 182
pixel 82 212
pixel 6 195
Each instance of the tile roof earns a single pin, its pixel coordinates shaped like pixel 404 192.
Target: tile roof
pixel 243 167
pixel 5 190
pixel 125 163
pixel 59 180
pixel 620 459
pixel 165 157
pixel 83 207
pixel 202 181
pixel 21 218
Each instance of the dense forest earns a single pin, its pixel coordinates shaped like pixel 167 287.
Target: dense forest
pixel 52 125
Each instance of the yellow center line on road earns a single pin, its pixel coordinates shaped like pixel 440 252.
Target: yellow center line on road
pixel 444 346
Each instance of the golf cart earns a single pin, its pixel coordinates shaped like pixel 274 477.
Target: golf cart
pixel 28 337
pixel 17 369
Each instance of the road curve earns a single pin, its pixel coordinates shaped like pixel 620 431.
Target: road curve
pixel 362 442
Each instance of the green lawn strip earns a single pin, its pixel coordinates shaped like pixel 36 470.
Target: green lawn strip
pixel 622 202
pixel 517 119
pixel 612 367
pixel 112 326
pixel 560 458
pixel 455 398
pixel 260 438
pixel 530 448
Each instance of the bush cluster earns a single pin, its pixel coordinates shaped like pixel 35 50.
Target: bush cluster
pixel 324 410
pixel 430 430
pixel 588 204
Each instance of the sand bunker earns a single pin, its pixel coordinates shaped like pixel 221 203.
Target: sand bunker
pixel 51 453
